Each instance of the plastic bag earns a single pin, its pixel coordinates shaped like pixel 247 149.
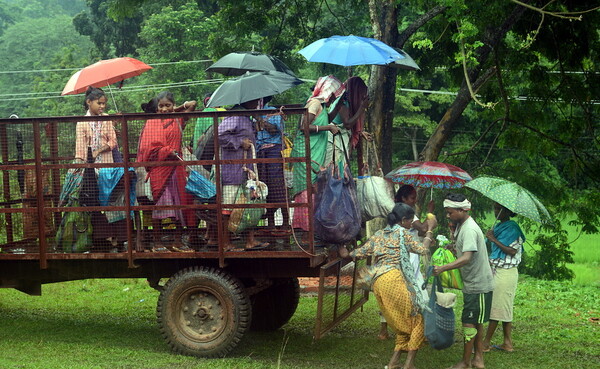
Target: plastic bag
pixel 337 215
pixel 439 322
pixel 375 193
pixel 375 197
pixel 75 231
pixel 201 187
pixel 252 191
pixel 449 278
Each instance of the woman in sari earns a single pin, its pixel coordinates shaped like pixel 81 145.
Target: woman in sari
pixel 394 284
pixel 507 247
pixel 160 140
pixel 349 120
pixel 320 114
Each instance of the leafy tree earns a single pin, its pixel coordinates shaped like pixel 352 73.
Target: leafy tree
pixel 111 37
pixel 26 49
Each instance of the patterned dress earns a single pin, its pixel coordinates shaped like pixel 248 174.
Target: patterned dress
pixel 395 286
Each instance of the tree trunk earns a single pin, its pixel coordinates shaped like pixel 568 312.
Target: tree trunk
pixel 382 81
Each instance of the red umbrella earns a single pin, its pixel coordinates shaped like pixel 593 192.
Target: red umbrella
pixel 430 174
pixel 104 73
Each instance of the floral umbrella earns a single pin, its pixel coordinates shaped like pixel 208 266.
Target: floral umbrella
pixel 429 174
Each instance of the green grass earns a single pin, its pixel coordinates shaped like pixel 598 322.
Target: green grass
pixel 111 324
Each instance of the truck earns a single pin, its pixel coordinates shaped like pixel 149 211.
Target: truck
pixel 210 297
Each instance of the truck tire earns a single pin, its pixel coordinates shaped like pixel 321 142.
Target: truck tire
pixel 274 306
pixel 203 311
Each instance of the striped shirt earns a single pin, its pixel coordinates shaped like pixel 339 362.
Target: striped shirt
pixel 510 261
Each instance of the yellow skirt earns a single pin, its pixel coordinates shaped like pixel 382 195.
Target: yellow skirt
pixel 396 306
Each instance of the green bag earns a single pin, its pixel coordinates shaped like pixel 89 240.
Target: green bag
pixel 75 231
pixel 244 218
pixel 450 278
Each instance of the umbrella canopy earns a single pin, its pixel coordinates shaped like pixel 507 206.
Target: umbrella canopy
pixel 350 50
pixel 104 73
pixel 404 63
pixel 251 86
pixel 430 174
pixel 238 63
pixel 512 196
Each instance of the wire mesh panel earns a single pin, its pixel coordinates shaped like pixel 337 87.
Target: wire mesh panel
pixel 154 183
pixel 338 295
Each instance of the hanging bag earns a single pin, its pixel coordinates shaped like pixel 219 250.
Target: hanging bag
pixel 337 217
pixel 198 180
pixel 439 322
pixel 375 194
pixel 252 191
pixel 75 231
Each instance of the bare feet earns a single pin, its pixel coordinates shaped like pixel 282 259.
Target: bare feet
pixel 343 252
pixel 460 365
pixel 383 336
pixel 503 347
pixel 256 245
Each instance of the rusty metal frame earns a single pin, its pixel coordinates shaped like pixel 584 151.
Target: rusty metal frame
pixel 338 317
pixel 53 165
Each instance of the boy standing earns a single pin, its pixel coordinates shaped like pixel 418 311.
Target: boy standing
pixel 472 259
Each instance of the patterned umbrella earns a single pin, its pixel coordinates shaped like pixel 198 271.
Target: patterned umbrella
pixel 512 196
pixel 430 174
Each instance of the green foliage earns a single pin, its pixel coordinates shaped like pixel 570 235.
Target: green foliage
pixel 48 45
pixel 550 262
pixel 111 38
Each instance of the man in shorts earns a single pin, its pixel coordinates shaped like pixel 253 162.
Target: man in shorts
pixel 472 259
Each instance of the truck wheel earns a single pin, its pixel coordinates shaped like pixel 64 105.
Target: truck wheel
pixel 274 306
pixel 203 311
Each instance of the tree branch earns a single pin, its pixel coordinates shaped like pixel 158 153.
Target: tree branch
pixel 418 23
pixel 478 140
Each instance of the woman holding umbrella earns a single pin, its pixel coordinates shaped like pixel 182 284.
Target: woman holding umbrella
pixel 320 114
pixel 100 136
pixel 507 247
pixel 350 119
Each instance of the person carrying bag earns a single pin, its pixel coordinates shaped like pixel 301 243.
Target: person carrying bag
pixel 439 321
pixel 252 191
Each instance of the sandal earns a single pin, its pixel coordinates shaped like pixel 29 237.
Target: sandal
pixel 160 249
pixel 182 248
pixel 259 246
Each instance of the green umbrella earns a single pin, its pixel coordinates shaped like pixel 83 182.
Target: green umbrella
pixel 512 196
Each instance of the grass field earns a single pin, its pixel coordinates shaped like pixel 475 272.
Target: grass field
pixel 111 324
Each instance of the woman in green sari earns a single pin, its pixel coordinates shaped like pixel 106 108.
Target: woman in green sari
pixel 320 113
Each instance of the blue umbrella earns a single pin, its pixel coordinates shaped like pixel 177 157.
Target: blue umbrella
pixel 350 50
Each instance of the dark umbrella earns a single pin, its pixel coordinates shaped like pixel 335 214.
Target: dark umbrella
pixel 238 63
pixel 404 63
pixel 20 173
pixel 252 86
pixel 88 194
